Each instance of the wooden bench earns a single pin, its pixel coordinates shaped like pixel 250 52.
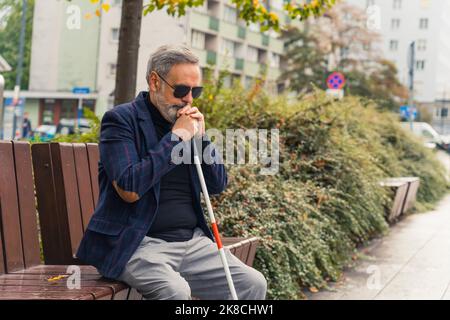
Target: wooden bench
pixel 411 193
pixel 403 193
pixel 66 178
pixel 22 274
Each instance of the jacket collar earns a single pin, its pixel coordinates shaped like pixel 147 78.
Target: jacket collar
pixel 141 105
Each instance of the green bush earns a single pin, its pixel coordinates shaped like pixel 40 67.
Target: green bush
pixel 326 199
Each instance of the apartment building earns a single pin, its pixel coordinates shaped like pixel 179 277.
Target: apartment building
pixel 73 61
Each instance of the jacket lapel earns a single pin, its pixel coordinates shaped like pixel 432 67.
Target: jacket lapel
pixel 148 132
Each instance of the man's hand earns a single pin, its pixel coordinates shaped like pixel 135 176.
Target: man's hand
pixel 190 122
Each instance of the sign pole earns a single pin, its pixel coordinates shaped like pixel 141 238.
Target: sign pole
pixel 411 62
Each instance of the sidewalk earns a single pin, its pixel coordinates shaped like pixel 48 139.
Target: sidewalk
pixel 411 262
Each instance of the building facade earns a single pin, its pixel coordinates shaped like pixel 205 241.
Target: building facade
pixel 74 52
pixel 427 23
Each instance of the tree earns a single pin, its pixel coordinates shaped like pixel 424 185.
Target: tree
pixel 344 37
pixel 380 85
pixel 306 63
pixel 129 34
pixel 340 41
pixel 9 39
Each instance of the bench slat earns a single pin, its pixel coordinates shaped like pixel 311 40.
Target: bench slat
pixel 64 168
pixel 39 295
pixel 11 238
pixel 94 157
pixel 53 242
pixel 81 164
pixel 27 203
pixel 95 291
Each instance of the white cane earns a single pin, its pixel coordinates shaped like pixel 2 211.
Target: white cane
pixel 213 223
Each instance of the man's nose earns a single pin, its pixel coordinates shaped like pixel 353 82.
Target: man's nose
pixel 188 98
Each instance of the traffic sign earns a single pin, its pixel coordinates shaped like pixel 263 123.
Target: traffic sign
pixel 81 90
pixel 408 113
pixel 336 81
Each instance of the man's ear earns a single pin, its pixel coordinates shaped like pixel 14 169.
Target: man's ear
pixel 153 82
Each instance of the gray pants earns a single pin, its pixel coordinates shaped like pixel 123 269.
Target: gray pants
pixel 180 270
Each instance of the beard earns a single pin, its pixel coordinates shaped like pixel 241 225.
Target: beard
pixel 167 110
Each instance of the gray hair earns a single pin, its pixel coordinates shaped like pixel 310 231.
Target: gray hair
pixel 165 57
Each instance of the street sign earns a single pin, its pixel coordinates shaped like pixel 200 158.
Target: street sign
pixel 408 113
pixel 336 81
pixel 13 113
pixel 81 90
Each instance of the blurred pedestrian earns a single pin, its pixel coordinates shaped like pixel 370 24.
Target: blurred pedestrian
pixel 26 126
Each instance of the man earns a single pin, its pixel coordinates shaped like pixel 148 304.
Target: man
pixel 148 229
pixel 26 126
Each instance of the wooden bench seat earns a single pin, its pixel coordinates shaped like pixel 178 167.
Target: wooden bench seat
pixel 22 274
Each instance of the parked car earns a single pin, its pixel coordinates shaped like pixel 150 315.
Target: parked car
pixel 432 139
pixel 67 126
pixel 44 133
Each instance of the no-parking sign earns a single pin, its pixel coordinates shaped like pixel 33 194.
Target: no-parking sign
pixel 336 81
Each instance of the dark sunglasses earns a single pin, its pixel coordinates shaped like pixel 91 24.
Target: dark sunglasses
pixel 180 90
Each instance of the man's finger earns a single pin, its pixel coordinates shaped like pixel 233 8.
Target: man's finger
pixel 183 110
pixel 192 110
pixel 197 115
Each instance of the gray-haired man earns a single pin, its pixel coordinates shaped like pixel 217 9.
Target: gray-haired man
pixel 149 229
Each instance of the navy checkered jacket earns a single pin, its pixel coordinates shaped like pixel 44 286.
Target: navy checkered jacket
pixel 132 162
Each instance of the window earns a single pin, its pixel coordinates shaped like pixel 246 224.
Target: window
pixel 229 14
pixel 393 45
pixel 115 34
pixel 423 23
pixel 397 4
pixel 248 82
pixel 68 109
pixel 274 60
pixel 198 40
pixel 252 54
pixel 48 112
pixel 420 65
pixel 395 24
pixel 227 48
pixel 422 45
pixel 345 51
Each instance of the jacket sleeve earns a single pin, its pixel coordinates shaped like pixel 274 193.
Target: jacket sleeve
pixel 213 168
pixel 131 175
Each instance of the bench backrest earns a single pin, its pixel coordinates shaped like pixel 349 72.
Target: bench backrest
pixel 19 240
pixel 66 177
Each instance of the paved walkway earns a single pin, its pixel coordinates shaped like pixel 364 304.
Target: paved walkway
pixel 411 262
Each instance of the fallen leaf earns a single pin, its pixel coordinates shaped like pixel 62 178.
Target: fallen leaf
pixel 56 278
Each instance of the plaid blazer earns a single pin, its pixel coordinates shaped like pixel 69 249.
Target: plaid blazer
pixel 132 162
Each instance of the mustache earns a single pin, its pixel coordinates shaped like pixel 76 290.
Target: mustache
pixel 178 106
